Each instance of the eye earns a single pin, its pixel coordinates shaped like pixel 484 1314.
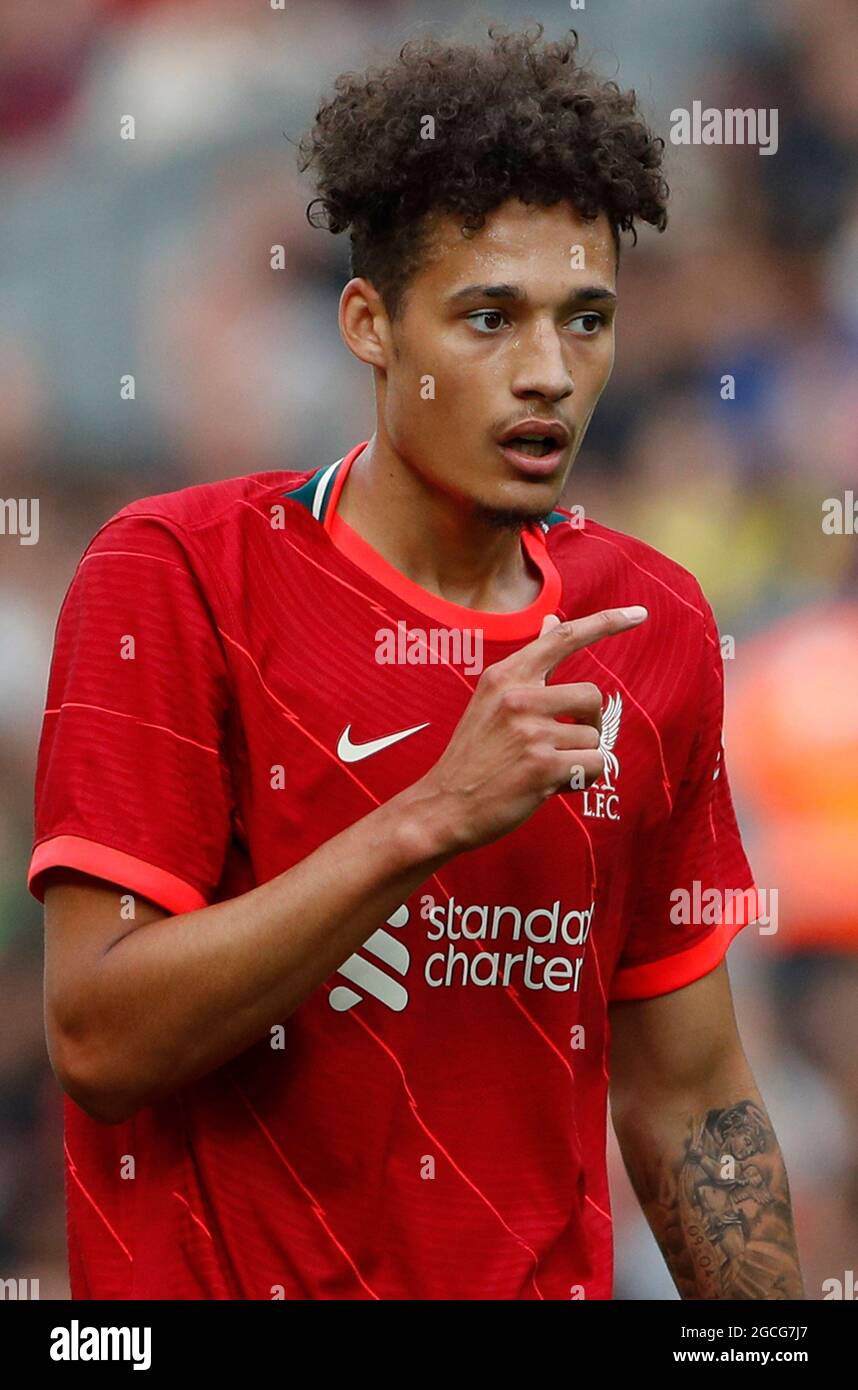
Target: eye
pixel 590 324
pixel 487 314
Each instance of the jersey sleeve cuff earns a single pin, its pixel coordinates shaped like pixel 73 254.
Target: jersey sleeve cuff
pixel 674 971
pixel 75 852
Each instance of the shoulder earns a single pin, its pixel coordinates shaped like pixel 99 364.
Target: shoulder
pixel 204 519
pixel 176 550
pixel 626 569
pixel 211 506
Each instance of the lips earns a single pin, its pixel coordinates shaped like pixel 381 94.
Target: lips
pixel 534 428
pixel 535 447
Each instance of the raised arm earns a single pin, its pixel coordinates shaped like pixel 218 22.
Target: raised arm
pixel 136 1009
pixel 699 1147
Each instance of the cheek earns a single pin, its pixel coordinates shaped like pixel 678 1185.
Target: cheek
pixel 601 367
pixel 606 355
pixel 425 369
pixel 456 389
pixel 430 398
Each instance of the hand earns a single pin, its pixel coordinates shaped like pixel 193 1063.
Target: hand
pixel 511 750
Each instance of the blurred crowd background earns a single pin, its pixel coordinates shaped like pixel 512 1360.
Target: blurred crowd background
pixel 151 256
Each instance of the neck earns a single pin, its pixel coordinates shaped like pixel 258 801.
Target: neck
pixel 436 540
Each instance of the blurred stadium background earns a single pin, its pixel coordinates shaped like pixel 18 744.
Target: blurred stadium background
pixel 151 256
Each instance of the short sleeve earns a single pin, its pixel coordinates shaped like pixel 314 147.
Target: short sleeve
pixel 132 782
pixel 697 889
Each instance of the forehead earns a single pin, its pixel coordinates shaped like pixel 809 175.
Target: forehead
pixel 544 250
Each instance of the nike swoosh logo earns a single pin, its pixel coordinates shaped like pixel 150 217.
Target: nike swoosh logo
pixel 350 752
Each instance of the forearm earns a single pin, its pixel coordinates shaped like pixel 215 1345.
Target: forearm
pixel 177 997
pixel 711 1181
pixel 156 1007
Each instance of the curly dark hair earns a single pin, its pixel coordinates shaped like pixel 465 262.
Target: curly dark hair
pixel 516 118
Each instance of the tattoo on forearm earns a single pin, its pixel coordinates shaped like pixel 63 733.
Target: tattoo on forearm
pixel 722 1214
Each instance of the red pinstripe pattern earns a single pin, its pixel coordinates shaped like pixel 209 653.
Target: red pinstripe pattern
pixel 294 719
pixel 312 1200
pixel 251 593
pixel 600 1210
pixel 192 1214
pixel 512 992
pixel 72 1168
pixel 332 757
pixel 134 555
pixel 449 1157
pixel 665 777
pixel 143 723
pixel 371 603
pixel 591 536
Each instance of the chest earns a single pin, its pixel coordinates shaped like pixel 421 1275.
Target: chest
pixel 335 718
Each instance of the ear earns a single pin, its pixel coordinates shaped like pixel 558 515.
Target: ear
pixel 364 323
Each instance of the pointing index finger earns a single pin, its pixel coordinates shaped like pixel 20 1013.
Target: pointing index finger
pixel 540 657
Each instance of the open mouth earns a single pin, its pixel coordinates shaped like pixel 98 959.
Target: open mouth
pixel 537 446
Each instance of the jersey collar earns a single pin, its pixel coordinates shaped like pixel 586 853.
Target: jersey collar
pixel 320 495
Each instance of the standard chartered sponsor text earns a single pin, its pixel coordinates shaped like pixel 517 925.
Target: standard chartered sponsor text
pixel 451 922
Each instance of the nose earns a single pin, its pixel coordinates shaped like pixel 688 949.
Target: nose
pixel 540 366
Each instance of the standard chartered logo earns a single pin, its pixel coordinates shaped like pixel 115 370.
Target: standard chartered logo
pixel 459 964
pixel 368 978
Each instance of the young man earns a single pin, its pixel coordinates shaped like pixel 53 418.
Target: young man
pixel 336 918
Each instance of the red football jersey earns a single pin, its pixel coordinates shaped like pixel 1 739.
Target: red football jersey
pixel 237 676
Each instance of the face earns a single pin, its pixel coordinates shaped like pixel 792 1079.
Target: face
pixel 740 1144
pixel 506 334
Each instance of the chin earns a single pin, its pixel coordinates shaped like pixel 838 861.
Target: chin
pixel 514 507
pixel 504 517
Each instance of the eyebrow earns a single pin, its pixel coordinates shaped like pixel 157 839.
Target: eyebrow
pixel 584 294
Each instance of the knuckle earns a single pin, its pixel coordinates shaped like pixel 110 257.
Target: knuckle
pixel 539 759
pixel 514 699
pixel 525 731
pixel 492 677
